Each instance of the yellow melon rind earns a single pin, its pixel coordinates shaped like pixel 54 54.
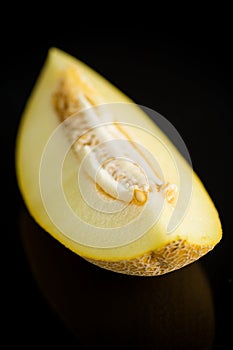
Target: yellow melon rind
pixel 173 256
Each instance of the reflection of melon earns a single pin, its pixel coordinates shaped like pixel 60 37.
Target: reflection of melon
pixel 114 311
pixel 129 165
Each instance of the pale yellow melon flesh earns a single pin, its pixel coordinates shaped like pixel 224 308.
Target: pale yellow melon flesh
pixel 155 252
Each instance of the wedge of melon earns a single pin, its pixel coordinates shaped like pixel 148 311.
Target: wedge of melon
pixel 98 174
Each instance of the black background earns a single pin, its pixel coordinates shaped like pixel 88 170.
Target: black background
pixel 185 74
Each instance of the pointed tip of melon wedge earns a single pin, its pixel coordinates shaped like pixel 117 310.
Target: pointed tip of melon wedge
pixel 153 253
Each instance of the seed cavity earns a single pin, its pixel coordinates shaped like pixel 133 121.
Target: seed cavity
pixel 103 148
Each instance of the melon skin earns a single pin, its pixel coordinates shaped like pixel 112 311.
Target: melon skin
pixel 106 310
pixel 173 256
pixel 153 254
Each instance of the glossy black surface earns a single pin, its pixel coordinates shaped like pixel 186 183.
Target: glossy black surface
pixel 187 78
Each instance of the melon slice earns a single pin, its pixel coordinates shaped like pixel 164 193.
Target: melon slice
pixel 98 174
